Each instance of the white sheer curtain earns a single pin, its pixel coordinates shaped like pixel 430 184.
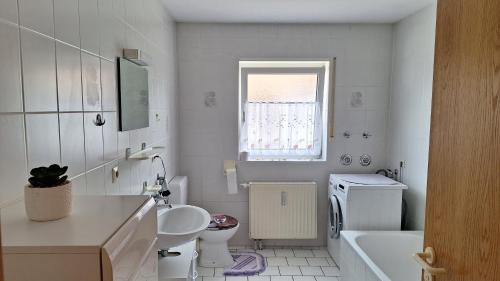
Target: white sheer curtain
pixel 282 130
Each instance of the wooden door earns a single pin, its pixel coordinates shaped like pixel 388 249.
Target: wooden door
pixel 463 192
pixel 1 254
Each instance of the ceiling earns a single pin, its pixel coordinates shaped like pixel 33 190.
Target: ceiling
pixel 293 11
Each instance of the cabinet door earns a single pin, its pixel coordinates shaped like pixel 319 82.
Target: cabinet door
pixel 129 251
pixel 149 268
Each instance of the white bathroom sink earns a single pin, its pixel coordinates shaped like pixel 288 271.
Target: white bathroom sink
pixel 180 224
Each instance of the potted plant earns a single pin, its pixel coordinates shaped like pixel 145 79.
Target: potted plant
pixel 48 196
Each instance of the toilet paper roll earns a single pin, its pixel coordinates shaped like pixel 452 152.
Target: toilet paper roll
pixel 232 181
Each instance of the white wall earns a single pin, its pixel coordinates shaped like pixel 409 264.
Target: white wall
pixel 47 49
pixel 208 61
pixel 410 107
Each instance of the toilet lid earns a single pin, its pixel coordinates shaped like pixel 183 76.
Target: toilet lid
pixel 221 222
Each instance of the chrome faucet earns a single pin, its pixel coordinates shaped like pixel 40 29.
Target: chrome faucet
pixel 163 193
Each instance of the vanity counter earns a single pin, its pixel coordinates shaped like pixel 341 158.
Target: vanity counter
pixel 93 221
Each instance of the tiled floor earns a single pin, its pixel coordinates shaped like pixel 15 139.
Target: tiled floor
pixel 284 265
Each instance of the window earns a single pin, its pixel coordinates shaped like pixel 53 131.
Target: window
pixel 283 110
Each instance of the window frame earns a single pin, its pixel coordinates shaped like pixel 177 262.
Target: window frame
pixel 319 67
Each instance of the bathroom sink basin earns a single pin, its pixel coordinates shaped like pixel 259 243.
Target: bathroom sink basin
pixel 180 224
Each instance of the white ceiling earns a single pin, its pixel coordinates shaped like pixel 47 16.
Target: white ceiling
pixel 293 11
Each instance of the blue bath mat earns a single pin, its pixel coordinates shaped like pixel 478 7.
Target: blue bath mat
pixel 246 264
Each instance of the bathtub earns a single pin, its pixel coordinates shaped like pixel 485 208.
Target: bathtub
pixel 380 255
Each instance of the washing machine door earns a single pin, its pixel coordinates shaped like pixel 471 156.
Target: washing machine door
pixel 334 218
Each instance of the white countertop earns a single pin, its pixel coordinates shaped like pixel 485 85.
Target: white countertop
pixel 92 222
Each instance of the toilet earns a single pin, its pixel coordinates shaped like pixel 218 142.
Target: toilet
pixel 213 241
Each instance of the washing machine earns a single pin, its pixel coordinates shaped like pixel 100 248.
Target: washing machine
pixel 362 202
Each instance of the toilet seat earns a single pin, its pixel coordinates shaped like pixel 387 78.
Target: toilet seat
pixel 229 222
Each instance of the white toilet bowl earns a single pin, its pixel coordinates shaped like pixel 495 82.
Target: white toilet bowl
pixel 213 246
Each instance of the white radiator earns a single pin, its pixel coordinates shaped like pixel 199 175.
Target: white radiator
pixel 283 210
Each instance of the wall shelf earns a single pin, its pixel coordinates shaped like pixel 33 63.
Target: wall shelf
pixel 144 154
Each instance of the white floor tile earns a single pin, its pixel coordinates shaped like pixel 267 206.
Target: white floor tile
pixel 270 270
pixel 311 270
pixel 276 261
pixel 303 253
pixel 323 253
pixel 214 278
pixel 281 278
pixel 205 271
pixel 219 272
pixel 317 262
pixel 266 252
pixel 289 270
pixel 303 278
pixel 236 278
pixel 327 278
pixel 331 270
pixel 297 261
pixel 331 262
pixel 284 253
pixel 259 278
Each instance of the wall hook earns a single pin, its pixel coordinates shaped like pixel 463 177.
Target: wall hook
pixel 99 121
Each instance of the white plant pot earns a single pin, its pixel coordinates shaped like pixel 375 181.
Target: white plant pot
pixel 49 203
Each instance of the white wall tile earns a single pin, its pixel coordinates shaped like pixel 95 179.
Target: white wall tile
pixel 39 72
pixel 94 151
pixel 209 135
pixel 13 166
pixel 109 90
pixel 50 66
pixel 95 182
pixel 42 134
pixel 79 185
pixel 37 15
pixel 110 133
pixel 112 37
pixel 72 142
pixel 10 69
pixel 125 176
pixel 67 24
pixel 69 78
pixel 91 80
pixel 408 124
pixel 89 25
pixel 9 10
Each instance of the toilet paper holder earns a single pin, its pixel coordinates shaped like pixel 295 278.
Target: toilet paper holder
pixel 228 165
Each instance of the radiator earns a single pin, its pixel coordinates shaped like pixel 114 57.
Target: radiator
pixel 283 210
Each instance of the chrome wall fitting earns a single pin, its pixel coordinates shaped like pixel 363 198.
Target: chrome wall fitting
pixel 365 160
pixel 346 159
pixel 366 135
pixel 347 134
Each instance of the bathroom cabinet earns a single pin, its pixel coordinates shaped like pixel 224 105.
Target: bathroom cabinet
pixel 106 238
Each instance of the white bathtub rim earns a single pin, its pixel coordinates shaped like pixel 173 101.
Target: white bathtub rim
pixel 351 236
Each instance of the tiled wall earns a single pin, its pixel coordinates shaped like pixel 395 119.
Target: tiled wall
pixel 208 61
pixel 410 107
pixel 58 71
